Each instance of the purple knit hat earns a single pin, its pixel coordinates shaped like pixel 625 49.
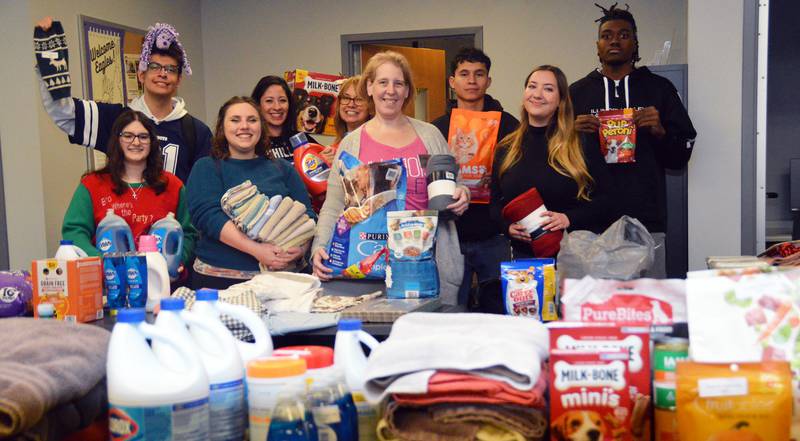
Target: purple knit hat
pixel 162 35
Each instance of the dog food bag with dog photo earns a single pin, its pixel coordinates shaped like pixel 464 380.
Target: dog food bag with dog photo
pixel 589 397
pixel 472 139
pixel 529 288
pixel 617 136
pixel 412 268
pixel 721 402
pixel 358 246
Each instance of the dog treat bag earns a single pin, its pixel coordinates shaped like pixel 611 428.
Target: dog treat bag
pixel 358 246
pixel 412 269
pixel 472 139
pixel 722 402
pixel 314 95
pixel 589 397
pixel 529 288
pixel 617 136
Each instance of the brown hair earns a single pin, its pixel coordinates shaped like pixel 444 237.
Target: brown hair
pixel 377 60
pixel 564 151
pixel 219 144
pixel 115 166
pixel 341 126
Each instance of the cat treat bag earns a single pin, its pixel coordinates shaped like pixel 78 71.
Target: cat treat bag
pixel 358 247
pixel 617 136
pixel 472 139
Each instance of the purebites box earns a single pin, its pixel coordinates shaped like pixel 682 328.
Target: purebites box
pixel 314 95
pixel 589 397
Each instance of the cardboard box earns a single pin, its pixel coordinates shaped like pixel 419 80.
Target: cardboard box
pixel 73 287
pixel 314 95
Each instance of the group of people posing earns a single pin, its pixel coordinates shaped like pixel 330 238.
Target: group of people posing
pixel 160 159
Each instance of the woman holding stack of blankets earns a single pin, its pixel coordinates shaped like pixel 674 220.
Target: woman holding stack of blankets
pixel 253 211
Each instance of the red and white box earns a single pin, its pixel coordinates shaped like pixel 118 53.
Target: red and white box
pixel 314 95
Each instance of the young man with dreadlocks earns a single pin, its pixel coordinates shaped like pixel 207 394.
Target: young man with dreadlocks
pixel 183 138
pixel 664 133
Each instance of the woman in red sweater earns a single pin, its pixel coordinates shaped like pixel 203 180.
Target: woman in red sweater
pixel 133 184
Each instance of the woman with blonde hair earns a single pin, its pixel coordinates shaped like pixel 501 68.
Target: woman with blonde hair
pixel 547 153
pixel 389 86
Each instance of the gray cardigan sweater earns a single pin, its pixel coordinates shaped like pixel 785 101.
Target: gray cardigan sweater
pixel 449 260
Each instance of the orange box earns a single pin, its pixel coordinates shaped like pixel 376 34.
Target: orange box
pixel 73 287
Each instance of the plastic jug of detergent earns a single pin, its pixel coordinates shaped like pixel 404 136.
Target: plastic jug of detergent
pixel 113 234
pixel 169 240
pixel 311 167
pixel 349 357
pixel 157 274
pixel 67 251
pixel 214 347
pixel 208 304
pixel 147 399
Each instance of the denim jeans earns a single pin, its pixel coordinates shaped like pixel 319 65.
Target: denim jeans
pixel 483 258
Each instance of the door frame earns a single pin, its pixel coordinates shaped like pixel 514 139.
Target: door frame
pixel 350 41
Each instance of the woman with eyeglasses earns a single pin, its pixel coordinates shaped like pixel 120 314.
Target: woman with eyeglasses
pixel 274 98
pixel 133 184
pixel 351 112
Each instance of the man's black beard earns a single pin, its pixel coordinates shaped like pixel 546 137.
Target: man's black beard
pixel 617 63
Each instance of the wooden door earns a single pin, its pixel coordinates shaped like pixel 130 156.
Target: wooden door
pixel 428 70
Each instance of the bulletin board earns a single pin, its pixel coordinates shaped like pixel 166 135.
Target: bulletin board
pixel 110 57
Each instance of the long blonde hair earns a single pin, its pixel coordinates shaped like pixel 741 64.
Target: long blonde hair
pixel 564 152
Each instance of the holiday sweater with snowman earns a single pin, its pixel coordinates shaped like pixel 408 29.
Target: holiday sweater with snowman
pixel 139 205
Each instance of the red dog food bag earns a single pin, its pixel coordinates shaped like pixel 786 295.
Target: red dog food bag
pixel 617 136
pixel 589 397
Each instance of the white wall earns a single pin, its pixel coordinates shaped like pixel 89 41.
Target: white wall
pixel 36 154
pixel 715 86
pixel 246 39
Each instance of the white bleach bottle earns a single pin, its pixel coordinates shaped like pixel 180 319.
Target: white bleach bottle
pixel 147 399
pixel 68 251
pixel 208 304
pixel 215 349
pixel 349 357
pixel 157 273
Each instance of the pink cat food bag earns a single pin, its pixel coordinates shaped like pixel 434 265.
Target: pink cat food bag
pixel 472 139
pixel 617 136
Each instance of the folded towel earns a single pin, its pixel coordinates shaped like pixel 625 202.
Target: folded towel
pixel 511 350
pixel 294 213
pixel 290 230
pixel 260 203
pixel 299 240
pixel 253 226
pixel 249 208
pixel 259 225
pixel 44 364
pixel 417 424
pixel 235 196
pixel 280 212
pixel 531 423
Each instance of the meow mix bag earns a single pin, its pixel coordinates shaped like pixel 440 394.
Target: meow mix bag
pixel 358 246
pixel 472 139
pixel 617 136
pixel 744 402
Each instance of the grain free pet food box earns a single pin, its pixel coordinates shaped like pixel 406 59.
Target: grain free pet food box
pixel 73 287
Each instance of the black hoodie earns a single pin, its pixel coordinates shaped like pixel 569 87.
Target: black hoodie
pixel 475 223
pixel 641 185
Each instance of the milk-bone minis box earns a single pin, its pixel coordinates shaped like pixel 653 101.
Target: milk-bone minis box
pixel 73 287
pixel 314 95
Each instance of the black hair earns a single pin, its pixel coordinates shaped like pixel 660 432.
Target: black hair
pixel 615 13
pixel 172 51
pixel 470 55
pixel 271 80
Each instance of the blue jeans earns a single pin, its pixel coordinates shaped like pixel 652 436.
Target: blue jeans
pixel 483 258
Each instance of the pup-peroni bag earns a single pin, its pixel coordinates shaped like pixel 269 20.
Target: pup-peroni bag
pixel 617 136
pixel 721 402
pixel 472 138
pixel 529 288
pixel 358 246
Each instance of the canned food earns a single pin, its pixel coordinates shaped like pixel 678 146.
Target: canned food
pixel 666 354
pixel 666 422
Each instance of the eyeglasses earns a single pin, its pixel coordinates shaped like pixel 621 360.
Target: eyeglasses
pixel 168 68
pixel 346 99
pixel 128 137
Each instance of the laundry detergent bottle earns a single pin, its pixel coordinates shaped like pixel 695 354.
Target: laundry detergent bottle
pixel 169 240
pixel 113 234
pixel 157 273
pixel 147 399
pixel 67 251
pixel 208 304
pixel 214 347
pixel 349 357
pixel 311 167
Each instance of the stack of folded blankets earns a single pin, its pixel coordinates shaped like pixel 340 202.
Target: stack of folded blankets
pixel 460 377
pixel 278 220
